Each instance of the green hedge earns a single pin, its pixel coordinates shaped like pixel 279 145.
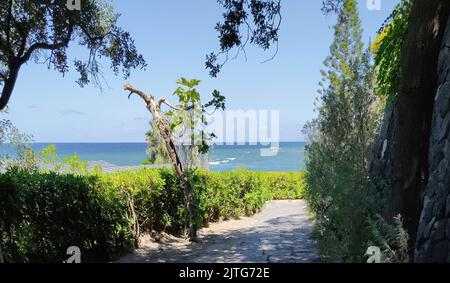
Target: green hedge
pixel 42 214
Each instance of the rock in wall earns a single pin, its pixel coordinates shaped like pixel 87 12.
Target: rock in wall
pixel 433 238
pixel 401 160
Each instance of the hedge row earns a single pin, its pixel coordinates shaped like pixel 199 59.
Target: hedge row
pixel 42 214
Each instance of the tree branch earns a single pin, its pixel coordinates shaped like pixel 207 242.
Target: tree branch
pixel 162 125
pixel 9 84
pixel 164 101
pixel 24 35
pixel 47 46
pixel 36 46
pixel 8 26
pixel 90 37
pixel 140 93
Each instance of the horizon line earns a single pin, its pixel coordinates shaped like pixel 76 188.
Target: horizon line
pixel 133 142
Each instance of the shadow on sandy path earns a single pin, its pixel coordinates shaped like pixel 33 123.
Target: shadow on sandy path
pixel 281 233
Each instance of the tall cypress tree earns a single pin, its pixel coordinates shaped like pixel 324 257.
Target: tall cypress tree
pixel 337 184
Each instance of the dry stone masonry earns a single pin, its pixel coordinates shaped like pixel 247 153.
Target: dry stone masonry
pixel 433 239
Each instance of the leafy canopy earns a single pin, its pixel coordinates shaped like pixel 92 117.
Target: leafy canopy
pixel 43 29
pixel 187 121
pixel 245 21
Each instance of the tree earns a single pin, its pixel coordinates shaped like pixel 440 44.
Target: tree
pixel 43 29
pixel 405 163
pixel 155 147
pixel 402 150
pixel 5 127
pixel 337 184
pixel 245 22
pixel 187 119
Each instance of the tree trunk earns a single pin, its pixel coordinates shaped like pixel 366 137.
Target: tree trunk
pixel 401 156
pixel 166 134
pixel 433 238
pixel 190 226
pixel 9 84
pixel 135 225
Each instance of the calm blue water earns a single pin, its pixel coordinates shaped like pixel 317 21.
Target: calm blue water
pixel 290 157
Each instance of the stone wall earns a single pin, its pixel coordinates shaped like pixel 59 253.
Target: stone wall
pixel 433 239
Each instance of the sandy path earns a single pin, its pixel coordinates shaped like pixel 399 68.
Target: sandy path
pixel 280 233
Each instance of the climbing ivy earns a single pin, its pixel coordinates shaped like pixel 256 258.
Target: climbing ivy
pixel 387 49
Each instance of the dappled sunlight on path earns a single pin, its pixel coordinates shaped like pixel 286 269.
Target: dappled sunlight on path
pixel 281 233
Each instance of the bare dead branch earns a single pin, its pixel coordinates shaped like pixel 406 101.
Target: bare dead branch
pixel 164 101
pixel 138 92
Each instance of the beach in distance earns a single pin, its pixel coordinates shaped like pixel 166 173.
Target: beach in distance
pixel 289 156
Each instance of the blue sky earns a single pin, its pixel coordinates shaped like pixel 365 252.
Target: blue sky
pixel 174 36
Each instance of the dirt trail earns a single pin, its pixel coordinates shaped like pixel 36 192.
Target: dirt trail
pixel 281 233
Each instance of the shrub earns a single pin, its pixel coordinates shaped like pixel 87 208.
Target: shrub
pixel 231 194
pixel 339 189
pixel 155 195
pixel 44 213
pixel 387 48
pixel 392 239
pixel 286 186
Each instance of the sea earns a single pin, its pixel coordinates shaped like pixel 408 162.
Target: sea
pixel 287 157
